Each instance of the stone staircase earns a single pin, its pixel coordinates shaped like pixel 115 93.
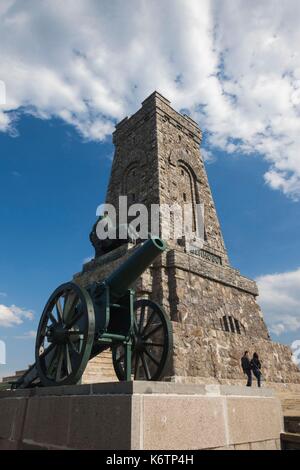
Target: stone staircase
pixel 12 378
pixel 290 404
pixel 100 369
pixel 290 438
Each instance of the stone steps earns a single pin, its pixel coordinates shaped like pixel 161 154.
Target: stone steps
pixel 292 424
pixel 290 441
pixel 12 378
pixel 290 438
pixel 290 403
pixel 100 369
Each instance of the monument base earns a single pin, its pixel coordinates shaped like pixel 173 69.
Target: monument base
pixel 141 415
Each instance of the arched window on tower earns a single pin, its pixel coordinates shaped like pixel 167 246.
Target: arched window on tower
pixel 185 191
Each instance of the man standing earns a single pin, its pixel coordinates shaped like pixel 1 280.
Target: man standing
pixel 256 366
pixel 246 366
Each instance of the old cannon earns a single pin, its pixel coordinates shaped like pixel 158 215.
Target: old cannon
pixel 78 324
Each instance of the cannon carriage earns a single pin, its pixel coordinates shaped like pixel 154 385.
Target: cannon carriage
pixel 79 323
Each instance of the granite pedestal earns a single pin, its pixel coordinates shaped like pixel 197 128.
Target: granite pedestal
pixel 140 415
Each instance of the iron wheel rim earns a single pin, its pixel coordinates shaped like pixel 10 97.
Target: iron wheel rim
pixel 65 336
pixel 153 355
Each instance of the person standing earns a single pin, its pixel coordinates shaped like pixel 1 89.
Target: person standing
pixel 256 368
pixel 246 366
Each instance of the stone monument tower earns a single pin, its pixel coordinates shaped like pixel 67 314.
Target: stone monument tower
pixel 213 308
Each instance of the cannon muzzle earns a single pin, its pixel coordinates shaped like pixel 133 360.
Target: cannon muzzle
pixel 124 276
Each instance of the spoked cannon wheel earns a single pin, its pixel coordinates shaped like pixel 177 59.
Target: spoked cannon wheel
pixel 152 343
pixel 65 336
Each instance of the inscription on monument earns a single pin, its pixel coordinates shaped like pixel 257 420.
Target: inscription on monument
pixel 207 256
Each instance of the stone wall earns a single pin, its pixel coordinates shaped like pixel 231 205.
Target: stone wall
pixel 140 415
pixel 211 354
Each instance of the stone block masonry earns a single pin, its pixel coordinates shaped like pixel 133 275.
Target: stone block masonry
pixel 140 415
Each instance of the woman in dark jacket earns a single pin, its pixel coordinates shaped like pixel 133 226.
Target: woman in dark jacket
pixel 255 367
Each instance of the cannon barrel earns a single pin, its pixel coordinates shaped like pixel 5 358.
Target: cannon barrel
pixel 124 276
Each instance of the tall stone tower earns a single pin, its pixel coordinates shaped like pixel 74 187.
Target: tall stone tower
pixel 213 308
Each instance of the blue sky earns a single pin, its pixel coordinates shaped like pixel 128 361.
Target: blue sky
pixel 70 70
pixel 50 185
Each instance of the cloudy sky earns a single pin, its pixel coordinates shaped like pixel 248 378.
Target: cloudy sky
pixel 70 70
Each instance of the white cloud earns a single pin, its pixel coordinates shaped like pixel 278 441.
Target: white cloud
pixel 2 93
pixel 2 352
pixel 280 301
pixel 13 315
pixel 295 346
pixel 208 155
pixel 234 65
pixel 27 335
